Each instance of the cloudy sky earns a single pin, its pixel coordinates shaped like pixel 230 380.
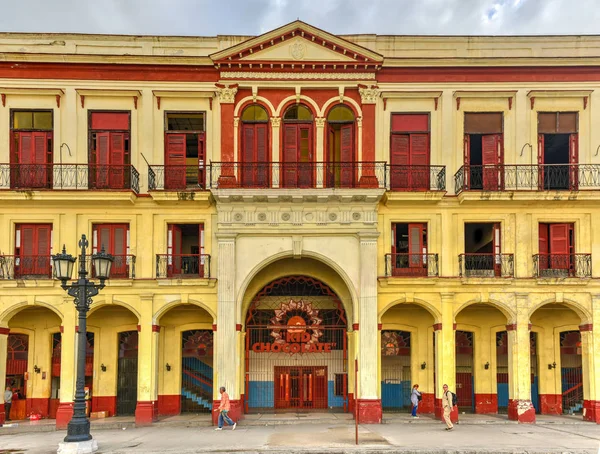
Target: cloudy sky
pixel 252 17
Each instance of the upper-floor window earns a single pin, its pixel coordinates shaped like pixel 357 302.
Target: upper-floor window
pixel 114 239
pixel 409 249
pixel 409 152
pixel 33 248
pixel 185 251
pixel 483 249
pixel 341 169
pixel 109 150
pixel 297 156
pixel 484 150
pixel 31 149
pixel 556 246
pixel 255 171
pixel 185 145
pixel 557 148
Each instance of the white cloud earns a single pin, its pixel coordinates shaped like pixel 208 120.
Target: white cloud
pixel 251 17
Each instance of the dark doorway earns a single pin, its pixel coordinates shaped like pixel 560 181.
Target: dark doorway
pixel 196 371
pixel 558 153
pixel 571 373
pixel 464 371
pixel 502 371
pixel 482 257
pixel 127 373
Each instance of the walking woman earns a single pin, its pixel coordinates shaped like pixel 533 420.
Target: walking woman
pixel 415 398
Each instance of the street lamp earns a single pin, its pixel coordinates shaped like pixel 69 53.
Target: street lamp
pixel 82 290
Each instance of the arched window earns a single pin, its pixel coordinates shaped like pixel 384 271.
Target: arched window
pixel 297 156
pixel 341 153
pixel 254 166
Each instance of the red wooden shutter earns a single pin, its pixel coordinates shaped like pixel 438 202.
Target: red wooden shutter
pixel 262 156
pixel 559 245
pixel 117 160
pixel 42 263
pixel 26 148
pixel 39 172
pixel 415 245
pixel 419 162
pixel 467 162
pixel 574 160
pixel 489 155
pixel 173 250
pixel 201 160
pixel 119 250
pixel 175 161
pixel 399 158
pixel 347 155
pixel 102 160
pixel 39 147
pixel 393 238
pixel 290 155
pixel 497 248
pixel 28 247
pixel 305 156
pixel 540 161
pixel 248 155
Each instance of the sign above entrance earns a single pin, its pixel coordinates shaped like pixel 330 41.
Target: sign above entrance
pixel 296 328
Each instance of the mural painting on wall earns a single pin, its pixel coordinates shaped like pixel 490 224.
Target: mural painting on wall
pixel 198 344
pixel 501 343
pixel 395 343
pixel 464 342
pixel 570 343
pixel 295 328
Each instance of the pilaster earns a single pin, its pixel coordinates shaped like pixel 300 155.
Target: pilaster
pixel 520 407
pixel 320 152
pixel 445 355
pixel 368 97
pixel 590 342
pixel 226 96
pixel 146 410
pixel 275 134
pixel 68 372
pixel 368 402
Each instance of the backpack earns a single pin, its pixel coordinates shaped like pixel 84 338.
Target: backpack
pixel 454 399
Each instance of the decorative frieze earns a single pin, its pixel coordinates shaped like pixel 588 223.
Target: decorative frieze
pixel 297 75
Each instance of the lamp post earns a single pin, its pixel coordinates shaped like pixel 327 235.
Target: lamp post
pixel 82 290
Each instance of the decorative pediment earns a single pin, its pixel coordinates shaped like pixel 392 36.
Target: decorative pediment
pixel 294 45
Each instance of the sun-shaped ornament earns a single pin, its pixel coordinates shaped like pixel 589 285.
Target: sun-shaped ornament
pixel 296 317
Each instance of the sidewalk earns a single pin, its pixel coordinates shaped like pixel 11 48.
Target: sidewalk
pixel 404 435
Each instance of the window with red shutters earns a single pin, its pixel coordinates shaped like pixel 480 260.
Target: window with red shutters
pixel 184 150
pixel 185 250
pixel 340 168
pixel 114 238
pixel 409 249
pixel 33 248
pixel 255 165
pixel 556 246
pixel 109 134
pixel 484 150
pixel 409 152
pixel 558 150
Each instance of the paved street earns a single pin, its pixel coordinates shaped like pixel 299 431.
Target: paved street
pixel 336 436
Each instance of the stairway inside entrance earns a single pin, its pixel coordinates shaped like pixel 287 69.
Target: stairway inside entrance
pixel 196 386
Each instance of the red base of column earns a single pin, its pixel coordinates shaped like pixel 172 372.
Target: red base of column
pixel 2 415
pixel 169 405
pixel 351 402
pixel 591 411
pixel 236 410
pixel 551 404
pixel 368 181
pixel 521 411
pixel 369 411
pixel 38 406
pixel 486 403
pixel 427 404
pixel 439 412
pixel 146 412
pixel 64 415
pixel 105 403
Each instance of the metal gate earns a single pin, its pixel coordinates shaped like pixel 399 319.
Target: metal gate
pixel 127 373
pixel 395 371
pixel 464 371
pixel 533 360
pixel 196 371
pixel 502 371
pixel 296 348
pixel 571 373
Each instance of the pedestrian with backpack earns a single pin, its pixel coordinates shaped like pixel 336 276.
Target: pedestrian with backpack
pixel 448 402
pixel 415 398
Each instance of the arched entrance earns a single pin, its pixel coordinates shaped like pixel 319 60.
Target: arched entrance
pixel 296 348
pixel 186 355
pixel 560 373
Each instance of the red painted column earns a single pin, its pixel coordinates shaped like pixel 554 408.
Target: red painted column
pixel 64 413
pixel 427 404
pixel 591 410
pixel 369 173
pixel 369 411
pixel 486 403
pixel 226 95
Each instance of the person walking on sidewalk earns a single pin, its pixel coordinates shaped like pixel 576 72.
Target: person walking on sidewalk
pixel 8 395
pixel 447 407
pixel 223 409
pixel 415 398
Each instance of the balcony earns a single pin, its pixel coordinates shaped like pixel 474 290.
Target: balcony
pixel 486 265
pixel 182 266
pixel 38 177
pixel 25 267
pixel 176 178
pixel 256 175
pixel 416 178
pixel 562 265
pixel 123 267
pixel 547 177
pixel 411 265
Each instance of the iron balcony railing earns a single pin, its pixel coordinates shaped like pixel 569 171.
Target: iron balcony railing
pixel 123 266
pixel 25 267
pixel 502 177
pixel 562 265
pixel 486 265
pixel 176 178
pixel 69 177
pixel 181 266
pixel 260 175
pixel 416 178
pixel 411 265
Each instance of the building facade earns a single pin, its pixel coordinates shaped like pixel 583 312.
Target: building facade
pixel 315 222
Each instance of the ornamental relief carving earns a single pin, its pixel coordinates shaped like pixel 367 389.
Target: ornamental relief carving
pixel 369 95
pixel 320 122
pixel 296 75
pixel 308 216
pixel 226 95
pixel 276 122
